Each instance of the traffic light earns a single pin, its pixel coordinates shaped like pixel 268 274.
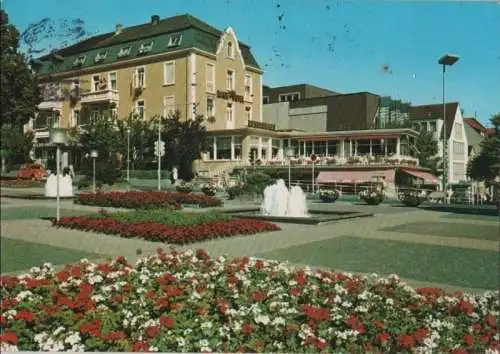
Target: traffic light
pixel 162 148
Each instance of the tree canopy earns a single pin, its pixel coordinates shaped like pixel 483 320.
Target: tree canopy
pixel 19 89
pixel 486 165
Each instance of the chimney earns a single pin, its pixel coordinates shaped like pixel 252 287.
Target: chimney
pixel 118 29
pixel 155 19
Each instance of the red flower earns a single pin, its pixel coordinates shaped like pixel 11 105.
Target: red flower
pixel 113 336
pixel 259 264
pixel 300 277
pixel 383 337
pixel 258 296
pixel 9 337
pixel 468 339
pixel 459 351
pixel 140 347
pixel 62 276
pixel 152 332
pixel 491 321
pixel 166 321
pixel 406 341
pixel 25 315
pixel 420 334
pixel 246 328
pixel 466 307
pixel 316 313
pixel 321 344
pixel 294 291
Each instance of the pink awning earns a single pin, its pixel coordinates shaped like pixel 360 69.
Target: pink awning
pixel 349 176
pixel 426 176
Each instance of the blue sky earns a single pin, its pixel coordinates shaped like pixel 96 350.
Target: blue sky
pixel 340 45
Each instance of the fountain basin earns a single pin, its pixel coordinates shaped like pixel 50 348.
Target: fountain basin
pixel 316 217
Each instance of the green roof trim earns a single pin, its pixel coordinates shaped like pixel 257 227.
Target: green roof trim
pixel 195 34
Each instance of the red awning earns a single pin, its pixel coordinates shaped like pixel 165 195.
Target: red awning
pixel 349 176
pixel 426 176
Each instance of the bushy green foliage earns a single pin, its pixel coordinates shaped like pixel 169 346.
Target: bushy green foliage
pixel 256 182
pixel 486 166
pixel 168 217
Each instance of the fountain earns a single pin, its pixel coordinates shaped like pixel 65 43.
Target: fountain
pixel 279 201
pixel 290 206
pixel 65 186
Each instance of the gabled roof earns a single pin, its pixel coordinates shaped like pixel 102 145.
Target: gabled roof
pixel 475 124
pixel 195 33
pixel 435 111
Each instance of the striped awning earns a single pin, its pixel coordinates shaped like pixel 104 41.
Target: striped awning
pixel 346 176
pixel 428 178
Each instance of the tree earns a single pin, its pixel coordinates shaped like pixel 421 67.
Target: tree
pixel 426 149
pixel 142 138
pixel 103 136
pixel 486 165
pixel 15 146
pixel 185 141
pixel 19 89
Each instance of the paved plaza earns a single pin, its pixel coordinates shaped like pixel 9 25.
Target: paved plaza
pixel 426 248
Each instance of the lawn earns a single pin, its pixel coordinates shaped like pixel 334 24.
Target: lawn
pixel 446 265
pixel 471 217
pixel 35 212
pixel 446 229
pixel 20 255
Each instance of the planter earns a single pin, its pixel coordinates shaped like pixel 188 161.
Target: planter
pixel 210 191
pixel 328 196
pixel 372 198
pixel 411 199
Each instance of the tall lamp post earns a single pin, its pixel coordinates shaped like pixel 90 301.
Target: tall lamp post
pixel 289 154
pixel 128 155
pixel 58 137
pixel 94 154
pixel 445 60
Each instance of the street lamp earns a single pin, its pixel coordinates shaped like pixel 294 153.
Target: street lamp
pixel 445 60
pixel 289 154
pixel 128 155
pixel 94 155
pixel 58 137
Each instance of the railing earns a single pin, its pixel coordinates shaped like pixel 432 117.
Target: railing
pixel 99 96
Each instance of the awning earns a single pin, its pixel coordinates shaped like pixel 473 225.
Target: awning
pixel 350 176
pixel 428 178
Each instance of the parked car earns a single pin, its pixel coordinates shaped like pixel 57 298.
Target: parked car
pixel 32 171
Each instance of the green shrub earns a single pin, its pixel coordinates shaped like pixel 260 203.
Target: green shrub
pixel 148 174
pixel 256 182
pixel 235 191
pixel 168 216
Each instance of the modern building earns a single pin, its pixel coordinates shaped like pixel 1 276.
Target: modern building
pixel 177 63
pixel 392 113
pixel 475 133
pixel 430 118
pixel 294 93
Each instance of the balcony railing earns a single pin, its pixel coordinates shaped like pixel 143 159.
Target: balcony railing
pixel 99 96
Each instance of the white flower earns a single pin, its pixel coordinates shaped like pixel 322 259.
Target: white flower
pixel 5 347
pixel 153 349
pixel 203 343
pixel 279 321
pixel 205 349
pixel 73 338
pixel 58 330
pixel 206 325
pixel 262 319
pixel 389 302
pixel 180 341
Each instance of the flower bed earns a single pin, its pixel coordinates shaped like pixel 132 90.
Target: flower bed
pixel 161 227
pixel 21 183
pixel 135 200
pixel 187 302
pixel 328 195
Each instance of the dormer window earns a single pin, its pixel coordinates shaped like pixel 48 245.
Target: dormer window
pixel 124 52
pixel 175 40
pixel 230 50
pixel 79 61
pixel 145 48
pixel 100 56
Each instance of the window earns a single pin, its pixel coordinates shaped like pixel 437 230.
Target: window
pixel 140 77
pixel 169 73
pixel 140 109
pixel 237 147
pixel 174 40
pixel 210 148
pixel 80 60
pixel 458 131
pixel 76 118
pixel 229 50
pixel 145 48
pixel 124 52
pixel 223 148
pixel 248 87
pixel 230 80
pixel 210 77
pixel 432 126
pixel 75 88
pixel 248 113
pixel 114 112
pixel 289 97
pixel 265 99
pixel 100 56
pixel 112 81
pixel 264 148
pixel 53 120
pixel 229 112
pixel 96 79
pixel 94 116
pixel 168 106
pixel 210 107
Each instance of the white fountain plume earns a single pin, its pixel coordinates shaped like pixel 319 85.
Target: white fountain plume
pixel 279 201
pixel 65 186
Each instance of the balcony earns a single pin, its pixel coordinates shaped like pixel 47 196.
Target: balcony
pixel 50 105
pixel 101 96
